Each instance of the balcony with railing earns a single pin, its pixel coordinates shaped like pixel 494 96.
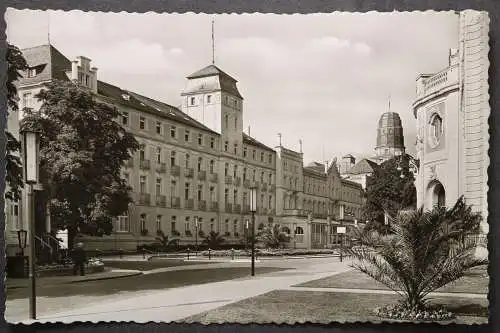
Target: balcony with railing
pixel 189 204
pixel 214 206
pixel 431 83
pixel 161 167
pixel 145 164
pixel 188 172
pixel 202 175
pixel 246 183
pixel 295 212
pixel 144 198
pixel 202 205
pixel 213 177
pixel 161 200
pixel 175 170
pixel 176 202
pixel 228 180
pixel 237 209
pixel 228 208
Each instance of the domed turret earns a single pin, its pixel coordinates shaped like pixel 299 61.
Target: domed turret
pixel 390 138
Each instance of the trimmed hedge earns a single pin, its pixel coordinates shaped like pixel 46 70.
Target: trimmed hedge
pixel 267 252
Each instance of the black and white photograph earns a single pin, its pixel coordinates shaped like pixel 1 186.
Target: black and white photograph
pixel 247 168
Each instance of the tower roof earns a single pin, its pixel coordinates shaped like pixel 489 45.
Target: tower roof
pixel 225 82
pixel 390 131
pixel 210 70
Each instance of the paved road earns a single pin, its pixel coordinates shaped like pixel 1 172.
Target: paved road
pixel 178 303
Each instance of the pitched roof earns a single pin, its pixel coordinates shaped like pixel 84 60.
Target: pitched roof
pixel 253 142
pixel 49 62
pixel 362 167
pixel 350 182
pixel 210 70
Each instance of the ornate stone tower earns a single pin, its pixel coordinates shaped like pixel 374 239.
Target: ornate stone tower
pixel 390 138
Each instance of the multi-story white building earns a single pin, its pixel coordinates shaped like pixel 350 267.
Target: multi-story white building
pixel 194 163
pixel 452 110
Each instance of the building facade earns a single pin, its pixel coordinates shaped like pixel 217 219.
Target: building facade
pixel 452 110
pixel 195 165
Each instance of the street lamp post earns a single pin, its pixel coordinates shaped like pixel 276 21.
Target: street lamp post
pixel 196 235
pixel 253 209
pixel 31 143
pixel 21 238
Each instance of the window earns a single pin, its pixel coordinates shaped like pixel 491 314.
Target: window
pixel 192 101
pixel 262 200
pixel 436 128
pixel 253 154
pixel 244 151
pixel 235 196
pixel 186 191
pixel 209 99
pixel 158 154
pixel 142 122
pixel 186 136
pixel 235 171
pixel 200 192
pixel 226 225
pixel 262 177
pixel 235 227
pixel 244 173
pixel 270 158
pixel 226 145
pixel 27 100
pixel 158 222
pixel 227 100
pixel 122 224
pixel 212 143
pixel 142 221
pixel 172 158
pixel 270 178
pixel 235 148
pixel 173 188
pixel 226 195
pixel 186 225
pixel 262 156
pixel 158 127
pixel 226 169
pixel 142 152
pixel 245 198
pixel 212 225
pixel 32 72
pixel 173 131
pixel 211 193
pixel 200 161
pixel 158 186
pixel 142 184
pixel 235 102
pixel 172 224
pixel 14 212
pixel 253 175
pixel 125 118
pixel 212 166
pixel 200 139
pixel 226 121
pixel 270 203
pixel 187 161
pixel 235 122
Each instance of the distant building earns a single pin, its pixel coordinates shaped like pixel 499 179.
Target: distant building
pixel 452 110
pixel 194 164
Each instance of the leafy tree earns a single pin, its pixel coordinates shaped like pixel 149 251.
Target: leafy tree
pixel 14 175
pixel 425 251
pixel 214 240
pixel 387 192
pixel 82 150
pixel 273 237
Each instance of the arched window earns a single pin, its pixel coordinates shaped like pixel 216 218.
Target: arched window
pixel 299 231
pixel 436 129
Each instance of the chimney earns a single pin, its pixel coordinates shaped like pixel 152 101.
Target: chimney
pixel 300 146
pixel 74 70
pixel 93 70
pixel 248 130
pixel 279 139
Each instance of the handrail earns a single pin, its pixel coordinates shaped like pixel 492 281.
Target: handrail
pixel 43 242
pixel 54 238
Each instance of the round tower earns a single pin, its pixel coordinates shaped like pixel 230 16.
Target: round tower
pixel 390 138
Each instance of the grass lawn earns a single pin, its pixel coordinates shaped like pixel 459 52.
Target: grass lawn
pixel 157 281
pixel 289 306
pixel 152 264
pixel 476 281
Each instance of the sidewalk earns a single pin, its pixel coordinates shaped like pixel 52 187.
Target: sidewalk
pixel 178 303
pixel 107 274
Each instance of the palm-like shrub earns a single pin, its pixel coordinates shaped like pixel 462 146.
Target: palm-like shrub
pixel 165 241
pixel 214 240
pixel 425 251
pixel 273 237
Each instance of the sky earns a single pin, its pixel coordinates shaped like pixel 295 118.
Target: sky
pixel 324 79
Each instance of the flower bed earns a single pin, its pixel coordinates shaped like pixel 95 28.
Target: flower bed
pixel 267 252
pixel 400 312
pixel 93 265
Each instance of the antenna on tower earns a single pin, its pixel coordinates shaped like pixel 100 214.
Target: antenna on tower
pixel 213 43
pixel 389 102
pixel 48 27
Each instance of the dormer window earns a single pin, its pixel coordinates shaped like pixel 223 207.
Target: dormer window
pixel 142 123
pixel 158 127
pixel 124 96
pixel 125 118
pixel 32 72
pixel 192 101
